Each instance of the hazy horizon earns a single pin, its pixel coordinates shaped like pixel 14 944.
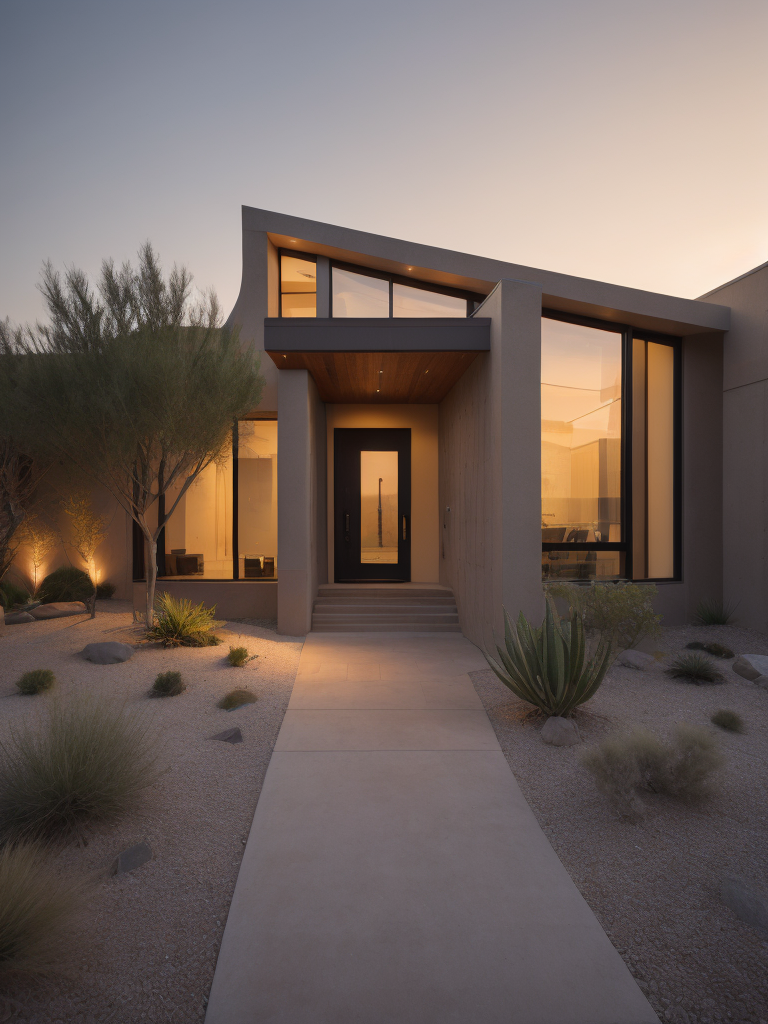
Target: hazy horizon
pixel 609 140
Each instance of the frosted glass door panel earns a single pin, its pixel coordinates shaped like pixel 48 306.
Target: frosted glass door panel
pixel 378 507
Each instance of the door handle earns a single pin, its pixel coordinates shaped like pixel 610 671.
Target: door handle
pixel 404 530
pixel 346 527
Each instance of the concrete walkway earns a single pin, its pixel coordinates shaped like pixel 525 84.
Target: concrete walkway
pixel 394 873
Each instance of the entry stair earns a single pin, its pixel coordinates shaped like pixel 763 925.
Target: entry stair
pixel 386 607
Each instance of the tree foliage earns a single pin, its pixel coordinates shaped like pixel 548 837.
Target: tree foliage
pixel 136 384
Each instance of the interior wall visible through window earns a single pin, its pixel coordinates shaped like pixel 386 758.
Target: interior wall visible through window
pixel 298 285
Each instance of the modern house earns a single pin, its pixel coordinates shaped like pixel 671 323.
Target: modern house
pixel 440 426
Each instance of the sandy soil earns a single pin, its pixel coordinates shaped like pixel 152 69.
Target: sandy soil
pixel 654 883
pixel 147 946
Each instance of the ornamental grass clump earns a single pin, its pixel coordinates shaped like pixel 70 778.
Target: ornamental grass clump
pixel 81 760
pixel 236 699
pixel 239 656
pixel 65 584
pixel 731 721
pixel 547 666
pixel 714 612
pixel 694 668
pixel 626 765
pixel 37 681
pixel 168 684
pixel 179 623
pixel 37 907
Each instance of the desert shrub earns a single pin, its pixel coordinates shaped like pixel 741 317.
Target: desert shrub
pixel 619 612
pixel 36 681
pixel 36 907
pixel 168 684
pixel 81 760
pixel 716 650
pixel 694 668
pixel 105 590
pixel 239 656
pixel 729 720
pixel 65 584
pixel 12 594
pixel 235 699
pixel 625 765
pixel 714 612
pixel 179 623
pixel 547 667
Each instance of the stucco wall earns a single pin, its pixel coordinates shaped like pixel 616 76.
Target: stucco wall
pixel 490 470
pixel 745 447
pixel 423 422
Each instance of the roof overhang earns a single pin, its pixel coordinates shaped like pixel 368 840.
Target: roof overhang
pixel 388 360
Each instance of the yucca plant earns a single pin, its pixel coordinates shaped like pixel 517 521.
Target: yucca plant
pixel 179 623
pixel 547 667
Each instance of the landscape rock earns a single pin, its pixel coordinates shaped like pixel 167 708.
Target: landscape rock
pixel 109 652
pixel 747 904
pixel 751 666
pixel 761 681
pixel 560 732
pixel 132 858
pixel 12 618
pixel 229 736
pixel 57 609
pixel 636 659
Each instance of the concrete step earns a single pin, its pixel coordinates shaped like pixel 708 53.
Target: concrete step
pixel 445 620
pixel 385 608
pixel 374 593
pixel 385 628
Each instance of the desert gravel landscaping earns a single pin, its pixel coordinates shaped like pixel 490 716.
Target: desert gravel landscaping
pixel 146 946
pixel 654 882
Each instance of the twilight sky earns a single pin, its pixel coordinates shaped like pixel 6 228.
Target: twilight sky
pixel 625 141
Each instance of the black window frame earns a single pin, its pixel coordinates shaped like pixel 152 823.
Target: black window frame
pixel 628 335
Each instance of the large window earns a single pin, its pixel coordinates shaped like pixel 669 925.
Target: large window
pixel 298 285
pixel 225 525
pixel 608 458
pixel 367 293
pixel 355 294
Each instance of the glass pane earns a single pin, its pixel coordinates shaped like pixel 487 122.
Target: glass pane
pixel 407 301
pixel 300 304
pixel 257 498
pixel 359 295
pixel 297 275
pixel 660 442
pixel 378 507
pixel 582 565
pixel 580 433
pixel 198 536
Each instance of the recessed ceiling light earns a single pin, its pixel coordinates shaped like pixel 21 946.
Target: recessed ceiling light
pixel 378 390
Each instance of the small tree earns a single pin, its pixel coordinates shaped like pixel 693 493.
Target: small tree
pixel 136 385
pixel 40 538
pixel 87 531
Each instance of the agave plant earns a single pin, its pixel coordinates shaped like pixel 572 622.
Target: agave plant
pixel 546 667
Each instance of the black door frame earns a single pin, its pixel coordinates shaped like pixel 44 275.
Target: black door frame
pixel 348 442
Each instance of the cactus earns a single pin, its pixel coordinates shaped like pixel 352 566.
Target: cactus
pixel 546 666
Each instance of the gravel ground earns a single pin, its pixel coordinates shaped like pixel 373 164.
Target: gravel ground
pixel 148 942
pixel 654 883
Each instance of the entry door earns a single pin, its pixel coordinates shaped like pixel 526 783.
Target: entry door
pixel 372 505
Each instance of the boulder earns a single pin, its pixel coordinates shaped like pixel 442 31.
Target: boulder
pixel 636 659
pixel 131 858
pixel 229 736
pixel 12 618
pixel 761 681
pixel 560 732
pixel 109 652
pixel 747 904
pixel 57 609
pixel 751 666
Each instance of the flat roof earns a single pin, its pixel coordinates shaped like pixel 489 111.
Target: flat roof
pixel 654 311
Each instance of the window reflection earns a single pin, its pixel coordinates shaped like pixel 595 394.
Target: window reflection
pixel 581 439
pixel 359 295
pixel 298 286
pixel 198 535
pixel 408 301
pixel 257 498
